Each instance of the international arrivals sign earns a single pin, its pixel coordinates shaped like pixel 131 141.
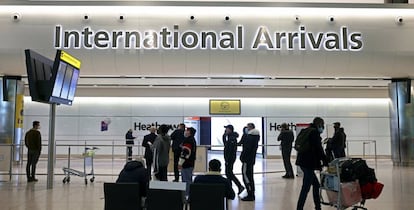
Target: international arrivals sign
pixel 342 39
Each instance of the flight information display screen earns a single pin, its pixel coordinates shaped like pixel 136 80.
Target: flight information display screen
pixel 67 76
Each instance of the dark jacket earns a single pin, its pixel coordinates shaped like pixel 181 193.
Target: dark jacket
pixel 148 155
pixel 129 138
pixel 337 141
pixel 250 144
pixel 33 140
pixel 230 146
pixel 189 151
pixel 177 138
pixel 313 158
pixel 134 172
pixel 217 179
pixel 286 137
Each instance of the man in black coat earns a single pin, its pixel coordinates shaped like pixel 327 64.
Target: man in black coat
pixel 250 142
pixel 309 161
pixel 335 147
pixel 230 151
pixel 177 138
pixel 286 137
pixel 147 143
pixel 134 172
pixel 129 140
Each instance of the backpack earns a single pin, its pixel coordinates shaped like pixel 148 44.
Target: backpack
pixel 357 168
pixel 302 140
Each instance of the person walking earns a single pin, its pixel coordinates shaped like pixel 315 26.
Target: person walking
pixel 129 140
pixel 148 154
pixel 286 137
pixel 33 142
pixel 161 149
pixel 250 142
pixel 188 157
pixel 177 138
pixel 230 151
pixel 309 161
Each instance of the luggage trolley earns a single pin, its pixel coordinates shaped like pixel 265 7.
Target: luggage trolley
pixel 88 155
pixel 340 195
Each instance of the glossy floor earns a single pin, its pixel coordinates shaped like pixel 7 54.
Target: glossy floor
pixel 273 192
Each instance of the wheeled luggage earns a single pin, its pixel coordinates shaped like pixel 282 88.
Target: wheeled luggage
pixel 342 185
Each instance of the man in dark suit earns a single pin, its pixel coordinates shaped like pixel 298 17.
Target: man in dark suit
pixel 147 143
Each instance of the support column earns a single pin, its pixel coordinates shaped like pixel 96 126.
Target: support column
pixel 51 148
pixel 402 121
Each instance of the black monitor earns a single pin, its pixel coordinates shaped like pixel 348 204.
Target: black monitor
pixel 40 75
pixel 66 79
pixel 52 82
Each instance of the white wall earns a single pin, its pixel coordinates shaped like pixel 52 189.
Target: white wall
pixel 363 119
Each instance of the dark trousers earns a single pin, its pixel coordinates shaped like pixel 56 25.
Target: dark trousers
pixel 162 173
pixel 247 171
pixel 177 154
pixel 230 175
pixel 129 144
pixel 309 179
pixel 32 159
pixel 339 152
pixel 286 152
pixel 148 163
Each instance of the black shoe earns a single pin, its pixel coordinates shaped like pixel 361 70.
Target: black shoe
pixel 30 180
pixel 34 180
pixel 248 198
pixel 175 180
pixel 241 189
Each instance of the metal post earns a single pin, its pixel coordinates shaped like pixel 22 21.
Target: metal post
pixel 375 151
pixel 51 149
pixel 11 162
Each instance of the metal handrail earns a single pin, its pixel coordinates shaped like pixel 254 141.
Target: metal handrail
pixel 364 143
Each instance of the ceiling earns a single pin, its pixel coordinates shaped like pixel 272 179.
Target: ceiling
pixel 388 52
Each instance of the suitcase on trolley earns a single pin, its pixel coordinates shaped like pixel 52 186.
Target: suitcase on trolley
pixel 350 194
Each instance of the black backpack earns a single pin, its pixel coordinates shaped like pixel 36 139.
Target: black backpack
pixel 357 168
pixel 302 143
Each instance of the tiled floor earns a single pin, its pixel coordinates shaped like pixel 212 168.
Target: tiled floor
pixel 273 192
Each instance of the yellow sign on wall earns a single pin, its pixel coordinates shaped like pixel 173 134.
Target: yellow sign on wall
pixel 19 111
pixel 225 107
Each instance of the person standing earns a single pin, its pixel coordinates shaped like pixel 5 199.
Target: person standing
pixel 250 143
pixel 213 176
pixel 129 143
pixel 33 142
pixel 161 149
pixel 337 142
pixel 188 157
pixel 177 138
pixel 309 161
pixel 342 130
pixel 230 151
pixel 148 154
pixel 286 137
